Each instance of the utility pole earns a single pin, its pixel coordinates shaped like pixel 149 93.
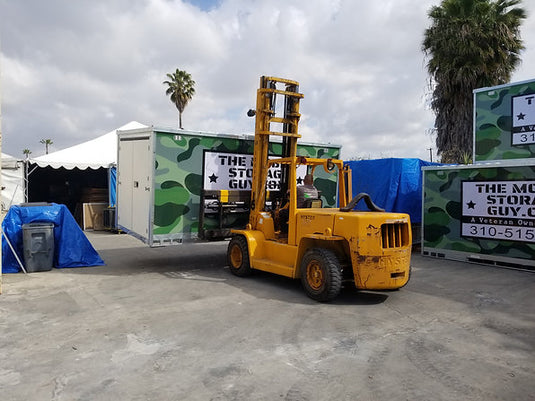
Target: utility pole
pixel 431 154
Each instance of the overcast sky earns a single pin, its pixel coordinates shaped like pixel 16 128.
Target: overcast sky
pixel 73 70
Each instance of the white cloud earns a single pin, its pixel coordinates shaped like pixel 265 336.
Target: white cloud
pixel 75 70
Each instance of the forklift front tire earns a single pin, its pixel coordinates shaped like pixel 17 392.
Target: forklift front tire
pixel 238 256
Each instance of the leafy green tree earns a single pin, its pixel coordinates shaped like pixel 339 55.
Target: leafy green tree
pixel 470 44
pixel 181 88
pixel 47 143
pixel 27 153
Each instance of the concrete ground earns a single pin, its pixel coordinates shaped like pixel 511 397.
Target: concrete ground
pixel 174 324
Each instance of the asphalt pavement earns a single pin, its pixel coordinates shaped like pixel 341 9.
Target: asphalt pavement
pixel 174 324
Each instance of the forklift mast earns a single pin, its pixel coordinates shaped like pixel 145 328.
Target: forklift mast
pixel 265 116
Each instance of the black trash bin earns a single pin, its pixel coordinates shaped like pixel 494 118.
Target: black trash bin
pixel 38 245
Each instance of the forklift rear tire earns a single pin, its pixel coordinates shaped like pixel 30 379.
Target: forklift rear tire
pixel 321 274
pixel 238 256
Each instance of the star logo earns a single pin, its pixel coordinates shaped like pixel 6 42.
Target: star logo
pixel 299 181
pixel 471 205
pixel 213 178
pixel 521 116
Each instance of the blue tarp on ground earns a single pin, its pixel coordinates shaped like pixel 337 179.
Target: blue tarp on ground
pixel 72 248
pixel 393 184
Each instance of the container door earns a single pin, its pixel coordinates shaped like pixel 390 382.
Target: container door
pixel 134 180
pixel 124 185
pixel 141 187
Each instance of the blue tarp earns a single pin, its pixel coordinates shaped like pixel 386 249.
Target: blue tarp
pixel 72 248
pixel 112 186
pixel 393 184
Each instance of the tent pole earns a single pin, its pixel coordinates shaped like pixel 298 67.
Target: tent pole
pixel 26 180
pixel 27 173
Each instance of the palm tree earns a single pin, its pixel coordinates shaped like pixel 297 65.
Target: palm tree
pixel 180 90
pixel 27 153
pixel 46 142
pixel 470 44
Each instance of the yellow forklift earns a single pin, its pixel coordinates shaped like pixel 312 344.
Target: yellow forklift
pixel 324 247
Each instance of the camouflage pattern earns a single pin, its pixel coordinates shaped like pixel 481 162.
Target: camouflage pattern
pixel 178 178
pixel 493 123
pixel 442 211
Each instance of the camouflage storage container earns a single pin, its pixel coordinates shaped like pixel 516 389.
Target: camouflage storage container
pixel 164 175
pixel 480 213
pixel 504 122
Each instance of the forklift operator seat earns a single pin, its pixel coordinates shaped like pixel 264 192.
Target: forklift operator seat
pixel 313 202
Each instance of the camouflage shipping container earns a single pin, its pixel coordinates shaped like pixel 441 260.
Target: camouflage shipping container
pixel 504 122
pixel 165 175
pixel 480 213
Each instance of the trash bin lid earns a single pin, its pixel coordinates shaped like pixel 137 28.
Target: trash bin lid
pixel 30 226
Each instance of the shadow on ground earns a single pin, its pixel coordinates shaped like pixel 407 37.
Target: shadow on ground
pixel 207 262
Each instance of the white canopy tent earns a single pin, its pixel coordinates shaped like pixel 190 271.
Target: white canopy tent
pixel 95 153
pixel 12 181
pixel 80 177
